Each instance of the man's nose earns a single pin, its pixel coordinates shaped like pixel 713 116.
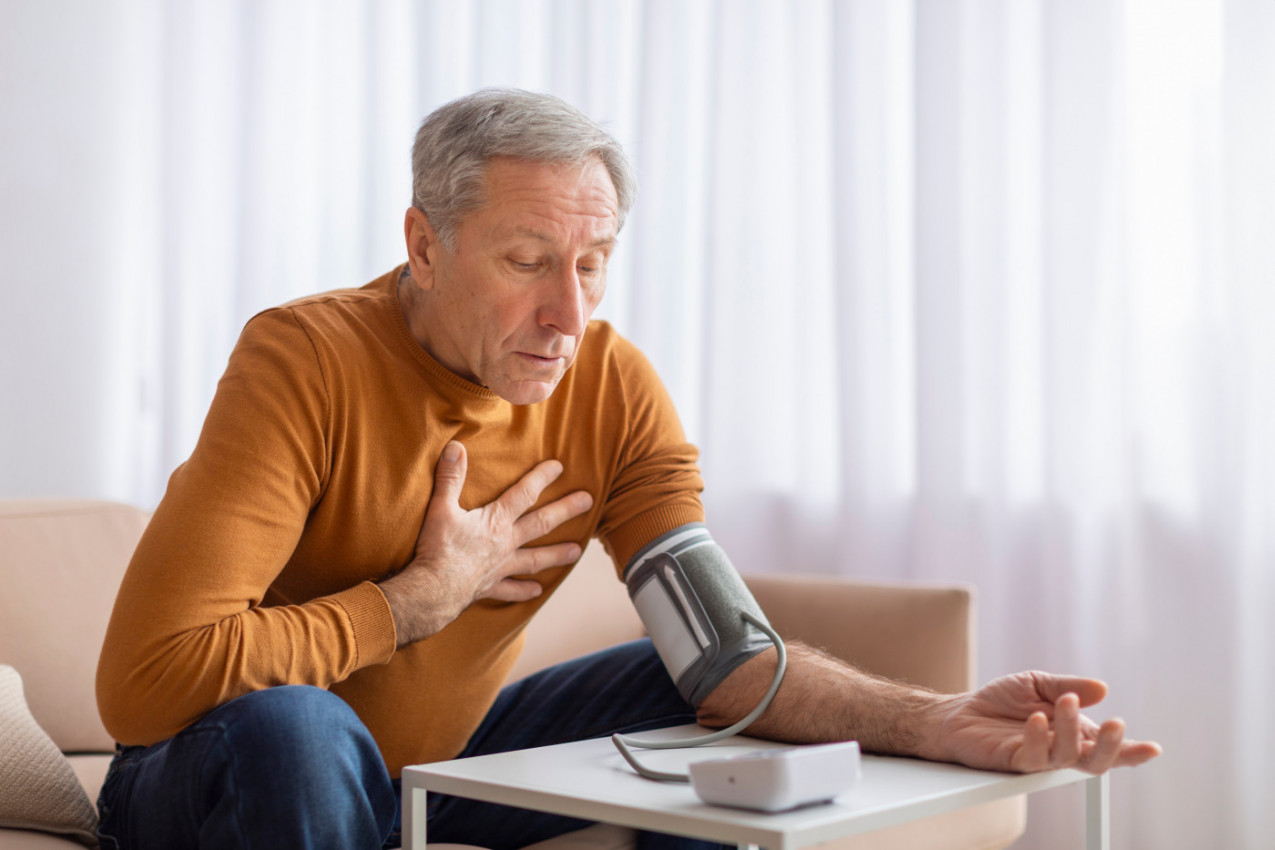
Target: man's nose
pixel 564 307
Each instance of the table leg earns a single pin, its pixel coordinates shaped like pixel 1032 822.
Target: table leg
pixel 413 818
pixel 1098 813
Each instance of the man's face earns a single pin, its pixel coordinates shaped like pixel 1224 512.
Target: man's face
pixel 508 308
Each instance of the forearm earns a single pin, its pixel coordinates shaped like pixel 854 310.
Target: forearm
pixel 824 699
pixel 167 661
pixel 420 606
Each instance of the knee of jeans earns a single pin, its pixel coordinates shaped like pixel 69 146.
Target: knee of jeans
pixel 296 722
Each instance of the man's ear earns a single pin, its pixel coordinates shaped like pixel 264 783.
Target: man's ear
pixel 422 246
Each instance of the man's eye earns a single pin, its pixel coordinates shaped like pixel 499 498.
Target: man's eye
pixel 525 266
pixel 592 266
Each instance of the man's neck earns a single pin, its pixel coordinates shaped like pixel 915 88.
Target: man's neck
pixel 409 304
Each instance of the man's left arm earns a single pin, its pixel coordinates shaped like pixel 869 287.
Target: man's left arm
pixel 1021 723
pixel 1027 722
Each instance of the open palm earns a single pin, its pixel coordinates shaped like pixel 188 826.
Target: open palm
pixel 1031 721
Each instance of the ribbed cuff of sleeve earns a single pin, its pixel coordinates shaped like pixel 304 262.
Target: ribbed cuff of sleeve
pixel 371 622
pixel 627 540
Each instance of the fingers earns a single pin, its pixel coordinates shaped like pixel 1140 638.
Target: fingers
pixel 1103 754
pixel 1067 731
pixel 532 560
pixel 1052 732
pixel 1111 749
pixel 529 561
pixel 511 588
pixel 514 590
pixel 1033 754
pixel 1079 743
pixel 449 473
pixel 1134 753
pixel 1053 688
pixel 540 522
pixel 519 498
pixel 1071 740
pixel 493 537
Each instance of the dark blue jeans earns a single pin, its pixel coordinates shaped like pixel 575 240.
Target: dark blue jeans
pixel 295 767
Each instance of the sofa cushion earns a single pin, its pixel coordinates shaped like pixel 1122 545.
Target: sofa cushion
pixel 91 770
pixel 61 563
pixel 38 788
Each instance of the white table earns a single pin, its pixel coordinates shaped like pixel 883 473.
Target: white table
pixel 589 780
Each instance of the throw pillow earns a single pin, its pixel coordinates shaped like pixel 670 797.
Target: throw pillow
pixel 38 788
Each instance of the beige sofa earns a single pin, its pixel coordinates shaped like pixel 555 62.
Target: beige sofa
pixel 61 562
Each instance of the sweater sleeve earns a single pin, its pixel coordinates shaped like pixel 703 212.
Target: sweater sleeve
pixel 189 631
pixel 656 485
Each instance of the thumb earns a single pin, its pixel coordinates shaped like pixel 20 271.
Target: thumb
pixel 449 473
pixel 1089 691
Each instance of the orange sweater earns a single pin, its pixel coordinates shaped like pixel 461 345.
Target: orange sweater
pixel 309 483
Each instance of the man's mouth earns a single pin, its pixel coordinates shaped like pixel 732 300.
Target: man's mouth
pixel 542 359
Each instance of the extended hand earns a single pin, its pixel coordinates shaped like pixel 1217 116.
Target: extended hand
pixel 1032 721
pixel 462 556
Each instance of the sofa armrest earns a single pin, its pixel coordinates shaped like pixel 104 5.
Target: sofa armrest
pixel 61 562
pixel 915 633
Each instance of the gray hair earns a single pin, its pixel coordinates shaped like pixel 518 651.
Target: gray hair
pixel 457 141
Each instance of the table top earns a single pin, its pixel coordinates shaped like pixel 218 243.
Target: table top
pixel 590 780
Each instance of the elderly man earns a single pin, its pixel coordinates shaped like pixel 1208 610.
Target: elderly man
pixel 389 483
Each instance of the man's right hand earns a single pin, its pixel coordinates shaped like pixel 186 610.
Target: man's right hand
pixel 463 556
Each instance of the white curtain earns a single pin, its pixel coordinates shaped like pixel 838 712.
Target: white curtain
pixel 975 290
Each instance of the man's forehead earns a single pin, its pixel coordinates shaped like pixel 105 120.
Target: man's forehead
pixel 585 181
pixel 523 231
pixel 548 202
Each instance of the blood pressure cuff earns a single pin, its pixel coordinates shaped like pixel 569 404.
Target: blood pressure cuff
pixel 691 600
